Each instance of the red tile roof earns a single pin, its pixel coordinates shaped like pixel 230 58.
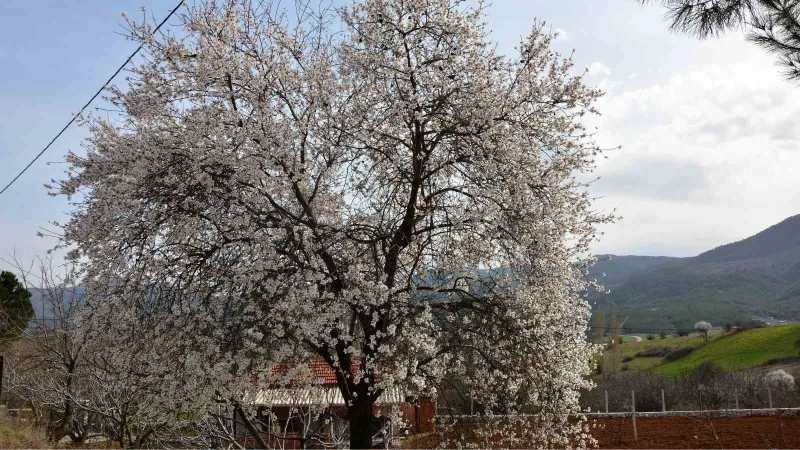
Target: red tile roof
pixel 320 370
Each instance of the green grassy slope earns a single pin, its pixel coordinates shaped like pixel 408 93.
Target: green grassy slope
pixel 738 350
pixel 629 350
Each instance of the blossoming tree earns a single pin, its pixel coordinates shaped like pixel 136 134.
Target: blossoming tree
pixel 703 328
pixel 375 187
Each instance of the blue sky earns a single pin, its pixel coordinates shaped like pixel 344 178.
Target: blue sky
pixel 708 129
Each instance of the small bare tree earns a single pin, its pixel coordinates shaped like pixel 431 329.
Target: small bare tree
pixel 65 368
pixel 44 366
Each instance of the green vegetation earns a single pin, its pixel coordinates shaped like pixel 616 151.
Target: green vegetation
pixel 757 276
pixel 630 349
pixel 739 350
pixel 15 308
pixel 673 355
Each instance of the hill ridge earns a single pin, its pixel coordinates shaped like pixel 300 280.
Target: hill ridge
pixel 758 276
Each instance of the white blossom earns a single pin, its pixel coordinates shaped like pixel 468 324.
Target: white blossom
pixel 280 194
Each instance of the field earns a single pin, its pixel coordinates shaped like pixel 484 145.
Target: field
pixel 739 350
pixel 683 432
pixel 727 350
pixel 764 432
pixel 629 349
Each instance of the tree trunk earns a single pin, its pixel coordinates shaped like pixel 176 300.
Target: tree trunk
pixel 360 416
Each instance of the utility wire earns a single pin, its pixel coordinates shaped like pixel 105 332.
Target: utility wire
pixel 90 100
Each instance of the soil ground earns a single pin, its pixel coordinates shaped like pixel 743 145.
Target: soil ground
pixel 767 432
pixel 717 432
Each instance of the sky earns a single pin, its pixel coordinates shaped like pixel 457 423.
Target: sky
pixel 709 131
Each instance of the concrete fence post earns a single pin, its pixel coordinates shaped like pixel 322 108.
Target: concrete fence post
pixel 769 397
pixel 470 404
pixel 606 397
pixel 663 403
pixel 633 415
pixel 736 399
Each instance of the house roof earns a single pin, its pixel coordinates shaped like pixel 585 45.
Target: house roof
pixel 317 395
pixel 319 371
pixel 319 385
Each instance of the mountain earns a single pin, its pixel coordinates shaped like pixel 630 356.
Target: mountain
pixel 757 276
pixel 615 270
pixel 42 302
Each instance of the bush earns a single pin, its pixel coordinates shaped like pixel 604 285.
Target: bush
pixel 650 337
pixel 788 359
pixel 743 326
pixel 683 333
pixel 677 354
pixel 706 387
pixel 780 379
pixel 663 335
pixel 627 359
pixel 653 352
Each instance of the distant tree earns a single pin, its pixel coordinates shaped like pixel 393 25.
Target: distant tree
pixel 780 379
pixel 773 25
pixel 663 335
pixel 15 308
pixel 703 327
pixel 728 327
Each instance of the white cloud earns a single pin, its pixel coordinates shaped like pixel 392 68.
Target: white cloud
pixel 633 76
pixel 561 35
pixel 596 68
pixel 708 156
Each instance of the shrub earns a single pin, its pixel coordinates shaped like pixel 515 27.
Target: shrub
pixel 705 387
pixel 683 333
pixel 653 352
pixel 627 359
pixel 625 368
pixel 678 353
pixel 780 379
pixel 663 335
pixel 788 359
pixel 650 337
pixel 743 326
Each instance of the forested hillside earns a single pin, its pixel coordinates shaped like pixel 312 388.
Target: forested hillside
pixel 757 276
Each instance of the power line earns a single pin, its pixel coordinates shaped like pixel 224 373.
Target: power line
pixel 90 100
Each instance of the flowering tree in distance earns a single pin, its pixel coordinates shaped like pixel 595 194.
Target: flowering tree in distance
pixel 375 187
pixel 703 328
